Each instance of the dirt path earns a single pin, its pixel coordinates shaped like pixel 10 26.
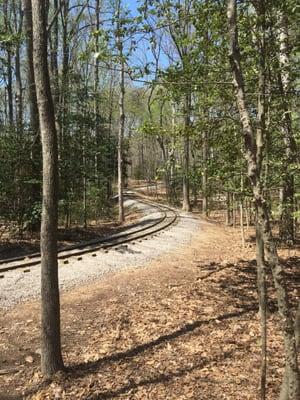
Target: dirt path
pixel 183 327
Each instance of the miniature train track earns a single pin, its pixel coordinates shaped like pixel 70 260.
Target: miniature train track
pixel 168 217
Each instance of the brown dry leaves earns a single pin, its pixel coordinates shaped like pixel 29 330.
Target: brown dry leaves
pixel 185 327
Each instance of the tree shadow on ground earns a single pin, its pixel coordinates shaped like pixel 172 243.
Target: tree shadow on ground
pixel 241 285
pixel 93 367
pixel 159 378
pixel 239 289
pixel 292 273
pixel 86 368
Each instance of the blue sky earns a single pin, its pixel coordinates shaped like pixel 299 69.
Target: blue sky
pixel 132 5
pixel 143 55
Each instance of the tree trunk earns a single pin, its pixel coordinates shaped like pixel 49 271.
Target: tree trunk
pixel 233 203
pixel 253 154
pixel 228 209
pixel 33 109
pixel 205 138
pixel 35 154
pixel 262 298
pixel 121 118
pixel 284 393
pixel 51 358
pixel 19 92
pixel 96 97
pixel 120 146
pixel 54 64
pixel 9 69
pixel 18 26
pixel 286 231
pixel 204 174
pixel 9 88
pixel 242 223
pixel 186 205
pixel 63 109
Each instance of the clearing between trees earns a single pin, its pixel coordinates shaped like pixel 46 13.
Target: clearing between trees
pixel 185 326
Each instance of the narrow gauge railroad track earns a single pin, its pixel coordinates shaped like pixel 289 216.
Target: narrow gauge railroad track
pixel 168 217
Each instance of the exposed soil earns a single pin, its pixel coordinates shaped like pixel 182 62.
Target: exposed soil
pixel 183 327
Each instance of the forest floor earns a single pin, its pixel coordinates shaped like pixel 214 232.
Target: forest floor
pixel 14 245
pixel 185 326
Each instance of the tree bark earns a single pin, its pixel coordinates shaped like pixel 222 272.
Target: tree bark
pixel 228 209
pixel 253 154
pixel 186 204
pixel 204 174
pixel 63 110
pixel 286 231
pixel 51 358
pixel 35 155
pixel 9 69
pixel 121 118
pixel 19 88
pixel 33 109
pixel 284 393
pixel 54 63
pixel 96 96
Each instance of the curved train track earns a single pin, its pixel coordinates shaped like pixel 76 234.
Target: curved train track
pixel 168 217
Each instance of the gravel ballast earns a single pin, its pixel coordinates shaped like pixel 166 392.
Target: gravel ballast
pixel 18 285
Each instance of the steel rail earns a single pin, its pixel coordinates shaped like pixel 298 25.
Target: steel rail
pixel 100 244
pixel 83 244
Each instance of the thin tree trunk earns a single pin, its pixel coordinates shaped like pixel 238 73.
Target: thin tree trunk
pixel 253 154
pixel 33 109
pixel 284 393
pixel 120 146
pixel 242 223
pixel 35 154
pixel 51 357
pixel 18 22
pixel 262 299
pixel 121 119
pixel 205 138
pixel 195 186
pixel 186 205
pixel 9 88
pixel 286 231
pixel 19 92
pixel 228 209
pixel 247 212
pixel 233 210
pixel 172 157
pixel 64 107
pixel 96 95
pixel 54 60
pixel 204 174
pixel 9 69
pixel 84 182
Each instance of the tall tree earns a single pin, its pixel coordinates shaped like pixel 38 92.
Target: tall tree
pixel 287 191
pixel 33 108
pixel 51 357
pixel 266 248
pixel 119 42
pixel 9 84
